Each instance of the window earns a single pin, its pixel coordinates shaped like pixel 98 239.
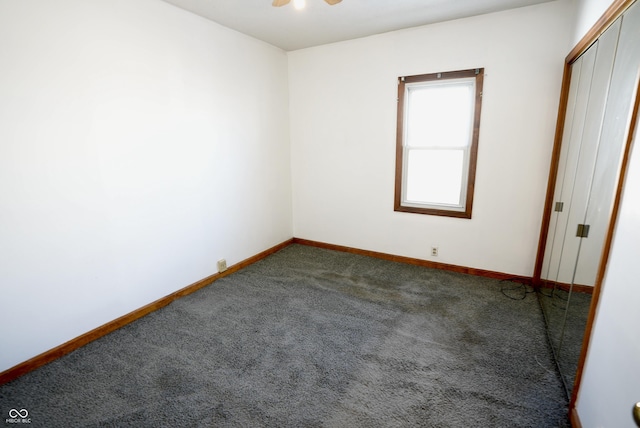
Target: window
pixel 437 142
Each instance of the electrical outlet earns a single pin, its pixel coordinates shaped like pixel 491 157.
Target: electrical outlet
pixel 222 265
pixel 434 251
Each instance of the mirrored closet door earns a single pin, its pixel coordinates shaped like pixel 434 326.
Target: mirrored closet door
pixel 599 102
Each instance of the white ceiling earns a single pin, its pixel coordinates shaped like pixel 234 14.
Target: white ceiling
pixel 319 23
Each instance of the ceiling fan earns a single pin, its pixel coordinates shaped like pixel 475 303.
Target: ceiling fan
pixel 278 3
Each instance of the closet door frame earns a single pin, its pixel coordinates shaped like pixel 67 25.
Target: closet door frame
pixel 617 8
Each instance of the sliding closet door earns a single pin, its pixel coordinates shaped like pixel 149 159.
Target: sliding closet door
pixel 591 149
pixel 599 103
pixel 581 74
pixel 562 167
pixel 554 300
pixel 616 124
pixel 582 146
pixel 575 316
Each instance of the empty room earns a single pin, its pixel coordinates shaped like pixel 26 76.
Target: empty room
pixel 305 213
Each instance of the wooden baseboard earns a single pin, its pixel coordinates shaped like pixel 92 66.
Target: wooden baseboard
pixel 574 418
pixel 73 344
pixel 417 262
pixel 586 289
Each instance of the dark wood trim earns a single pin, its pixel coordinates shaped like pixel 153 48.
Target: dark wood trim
pixel 578 288
pixel 574 418
pixel 612 13
pixel 478 74
pixel 553 173
pixel 414 261
pixel 433 211
pixel 473 150
pixel 397 198
pixel 584 289
pixel 458 74
pixel 73 344
pixel 602 268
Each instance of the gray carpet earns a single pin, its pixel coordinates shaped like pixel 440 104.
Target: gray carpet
pixel 312 338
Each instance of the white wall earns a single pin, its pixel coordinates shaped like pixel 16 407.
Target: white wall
pixel 139 144
pixel 611 379
pixel 587 13
pixel 343 123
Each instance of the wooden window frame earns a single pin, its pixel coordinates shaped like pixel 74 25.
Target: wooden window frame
pixel 478 74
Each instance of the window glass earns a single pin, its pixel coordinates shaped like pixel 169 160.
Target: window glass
pixel 440 115
pixel 434 176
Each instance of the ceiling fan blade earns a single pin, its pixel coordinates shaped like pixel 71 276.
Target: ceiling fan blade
pixel 332 2
pixel 278 3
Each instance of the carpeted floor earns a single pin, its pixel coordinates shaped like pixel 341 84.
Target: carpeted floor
pixel 308 338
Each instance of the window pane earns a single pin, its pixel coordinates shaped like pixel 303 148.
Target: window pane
pixel 434 176
pixel 440 115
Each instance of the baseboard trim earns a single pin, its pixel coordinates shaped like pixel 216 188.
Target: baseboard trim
pixel 414 261
pixel 585 289
pixel 574 418
pixel 73 344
